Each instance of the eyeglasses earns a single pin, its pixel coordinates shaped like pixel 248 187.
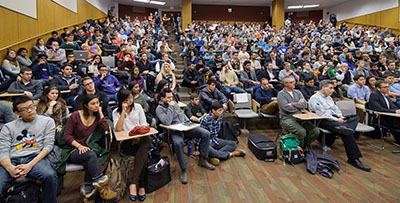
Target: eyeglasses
pixel 89 83
pixel 385 87
pixel 30 107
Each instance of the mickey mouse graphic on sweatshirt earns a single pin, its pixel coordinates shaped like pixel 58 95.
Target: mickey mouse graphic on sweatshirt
pixel 28 139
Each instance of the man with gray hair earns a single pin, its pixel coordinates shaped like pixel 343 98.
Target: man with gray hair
pixel 290 102
pixel 322 104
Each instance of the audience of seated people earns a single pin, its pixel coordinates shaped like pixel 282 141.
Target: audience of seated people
pixel 269 60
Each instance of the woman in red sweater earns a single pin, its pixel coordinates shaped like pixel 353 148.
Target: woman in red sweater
pixel 81 124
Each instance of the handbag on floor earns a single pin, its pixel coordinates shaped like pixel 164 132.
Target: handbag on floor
pixel 262 147
pixel 290 150
pixel 158 173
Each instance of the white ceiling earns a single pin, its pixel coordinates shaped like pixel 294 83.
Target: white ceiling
pixel 177 3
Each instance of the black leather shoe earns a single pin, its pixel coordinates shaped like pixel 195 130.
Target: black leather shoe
pixel 358 164
pixel 141 197
pixel 132 197
pixel 343 130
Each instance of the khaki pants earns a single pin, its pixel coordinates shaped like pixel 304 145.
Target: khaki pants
pixel 270 108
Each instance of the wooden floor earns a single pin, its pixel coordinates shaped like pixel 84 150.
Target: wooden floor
pixel 251 180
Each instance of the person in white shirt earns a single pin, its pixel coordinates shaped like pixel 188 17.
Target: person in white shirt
pixel 133 115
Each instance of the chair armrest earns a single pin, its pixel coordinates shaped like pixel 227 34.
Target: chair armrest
pixel 231 105
pixel 255 105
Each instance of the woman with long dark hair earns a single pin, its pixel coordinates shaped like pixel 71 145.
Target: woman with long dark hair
pixel 10 62
pixel 80 126
pixel 127 116
pixel 52 105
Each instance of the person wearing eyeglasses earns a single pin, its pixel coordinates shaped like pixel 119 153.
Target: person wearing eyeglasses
pixel 380 101
pixel 31 88
pixel 290 102
pixel 24 145
pixel 89 88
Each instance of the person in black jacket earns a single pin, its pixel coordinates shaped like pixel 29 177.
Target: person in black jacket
pixel 190 77
pixel 379 101
pixel 308 89
pixel 68 81
pixel 271 74
pixel 276 61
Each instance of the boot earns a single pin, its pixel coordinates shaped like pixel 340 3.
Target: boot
pixel 204 163
pixel 104 189
pixel 184 176
pixel 87 190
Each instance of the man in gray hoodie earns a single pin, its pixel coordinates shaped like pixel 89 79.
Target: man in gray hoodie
pixel 24 145
pixel 169 113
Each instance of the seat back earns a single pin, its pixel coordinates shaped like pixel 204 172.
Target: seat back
pixel 242 101
pixel 348 108
pixel 108 61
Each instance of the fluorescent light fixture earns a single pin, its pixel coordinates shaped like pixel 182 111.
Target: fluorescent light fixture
pixel 143 1
pixel 295 7
pixel 311 6
pixel 157 2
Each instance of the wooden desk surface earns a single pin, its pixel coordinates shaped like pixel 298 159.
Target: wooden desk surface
pixel 360 106
pixel 387 114
pixel 180 126
pixel 181 104
pixel 309 116
pixel 7 94
pixel 124 135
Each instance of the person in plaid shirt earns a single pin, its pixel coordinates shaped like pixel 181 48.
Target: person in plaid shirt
pixel 219 148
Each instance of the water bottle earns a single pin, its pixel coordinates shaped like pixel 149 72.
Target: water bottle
pixel 325 149
pixel 190 149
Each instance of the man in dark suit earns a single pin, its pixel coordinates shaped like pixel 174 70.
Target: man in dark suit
pixel 276 61
pixel 271 74
pixel 379 101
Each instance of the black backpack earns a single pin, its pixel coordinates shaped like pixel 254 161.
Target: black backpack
pixel 229 131
pixel 22 191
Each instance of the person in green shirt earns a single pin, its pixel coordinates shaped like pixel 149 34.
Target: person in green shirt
pixel 70 44
pixel 194 111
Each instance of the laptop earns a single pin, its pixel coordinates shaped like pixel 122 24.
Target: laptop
pixel 81 55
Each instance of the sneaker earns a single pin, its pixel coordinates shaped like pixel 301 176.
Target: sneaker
pixel 87 190
pixel 239 153
pixel 214 161
pixel 104 189
pixel 184 177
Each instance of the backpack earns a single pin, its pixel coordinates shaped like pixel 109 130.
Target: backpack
pixel 23 191
pixel 116 179
pixel 229 131
pixel 289 149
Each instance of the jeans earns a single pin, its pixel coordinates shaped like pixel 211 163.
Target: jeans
pixel 178 138
pixel 41 171
pixel 6 84
pixel 222 149
pixel 228 90
pixel 45 82
pixel 90 163
pixel 112 97
pixel 398 102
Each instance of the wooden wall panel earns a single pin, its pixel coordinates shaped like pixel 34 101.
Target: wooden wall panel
pixel 23 31
pixel 386 18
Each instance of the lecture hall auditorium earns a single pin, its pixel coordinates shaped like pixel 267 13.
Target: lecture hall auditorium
pixel 199 101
